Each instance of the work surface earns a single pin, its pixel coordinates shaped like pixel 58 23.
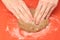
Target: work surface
pixel 9 29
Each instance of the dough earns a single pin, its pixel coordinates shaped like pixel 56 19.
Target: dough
pixel 32 27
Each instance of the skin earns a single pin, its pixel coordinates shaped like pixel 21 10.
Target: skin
pixel 44 10
pixel 18 9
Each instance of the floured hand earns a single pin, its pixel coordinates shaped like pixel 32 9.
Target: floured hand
pixel 44 9
pixel 19 9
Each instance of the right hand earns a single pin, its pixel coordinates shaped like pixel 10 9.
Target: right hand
pixel 44 10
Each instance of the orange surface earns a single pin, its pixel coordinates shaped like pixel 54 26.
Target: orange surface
pixel 8 23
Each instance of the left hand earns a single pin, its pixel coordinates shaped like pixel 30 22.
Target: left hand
pixel 18 9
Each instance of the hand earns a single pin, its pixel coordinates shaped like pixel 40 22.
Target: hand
pixel 44 9
pixel 19 9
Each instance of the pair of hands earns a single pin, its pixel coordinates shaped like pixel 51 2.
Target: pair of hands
pixel 21 11
pixel 24 16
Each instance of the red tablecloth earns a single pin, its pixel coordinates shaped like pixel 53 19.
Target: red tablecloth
pixel 9 29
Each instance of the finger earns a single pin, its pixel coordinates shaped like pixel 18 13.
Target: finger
pixel 25 8
pixel 24 12
pixel 41 13
pixel 39 6
pixel 13 9
pixel 24 18
pixel 50 11
pixel 21 12
pixel 46 12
